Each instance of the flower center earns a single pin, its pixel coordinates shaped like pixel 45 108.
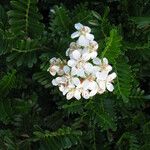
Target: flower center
pixel 80 63
pixel 103 66
pixel 91 78
pixel 83 31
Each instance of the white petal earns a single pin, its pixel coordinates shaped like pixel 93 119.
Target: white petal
pixel 93 92
pixel 111 77
pixel 66 69
pixel 80 73
pixel 71 63
pixel 95 44
pixel 101 75
pixel 59 80
pixel 65 91
pixel 96 69
pixel 77 95
pixel 71 86
pixel 85 56
pixel 73 71
pixel 96 61
pixel 85 84
pixel 102 84
pixel 85 50
pixel 60 72
pixel 54 82
pixel 62 80
pixel 110 87
pixel 109 68
pixel 70 55
pixel 67 52
pixel 90 37
pixel 94 88
pixel 53 59
pixel 93 85
pixel 53 72
pixel 76 81
pixel 100 91
pixel 83 41
pixel 105 61
pixel 61 88
pixel 93 55
pixel 78 26
pixel 76 54
pixel 70 95
pixel 75 34
pixel 88 67
pixel 88 30
pixel 56 68
pixel 86 94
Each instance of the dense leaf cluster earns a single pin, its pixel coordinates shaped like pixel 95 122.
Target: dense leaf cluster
pixel 33 113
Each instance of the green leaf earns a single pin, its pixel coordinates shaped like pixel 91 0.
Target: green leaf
pixel 7 83
pixel 99 115
pixel 24 53
pixel 97 15
pixel 146 128
pixel 24 18
pixel 123 82
pixel 145 147
pixel 75 107
pixel 43 78
pixel 82 14
pixel 6 111
pixel 141 21
pixel 61 20
pixel 136 98
pixel 62 138
pixel 113 44
pixel 105 121
pixel 7 140
pixel 131 141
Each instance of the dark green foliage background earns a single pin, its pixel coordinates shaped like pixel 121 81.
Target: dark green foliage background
pixel 34 115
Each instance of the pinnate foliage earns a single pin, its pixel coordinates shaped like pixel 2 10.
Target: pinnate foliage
pixel 24 18
pixel 124 79
pixel 113 46
pixel 7 83
pixel 63 138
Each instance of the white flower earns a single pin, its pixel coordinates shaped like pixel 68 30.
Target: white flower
pixel 78 91
pixel 109 81
pixel 56 66
pixel 58 81
pixel 91 85
pixel 71 80
pixel 83 33
pixel 91 49
pixel 103 64
pixel 105 81
pixel 73 91
pixel 79 77
pixel 66 88
pixel 79 63
pixel 101 80
pixel 67 82
pixel 73 46
pixel 82 91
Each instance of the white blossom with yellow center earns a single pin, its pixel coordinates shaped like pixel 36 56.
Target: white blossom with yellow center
pixel 83 32
pixel 84 74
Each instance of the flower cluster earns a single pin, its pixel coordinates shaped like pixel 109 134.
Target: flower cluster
pixel 84 74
